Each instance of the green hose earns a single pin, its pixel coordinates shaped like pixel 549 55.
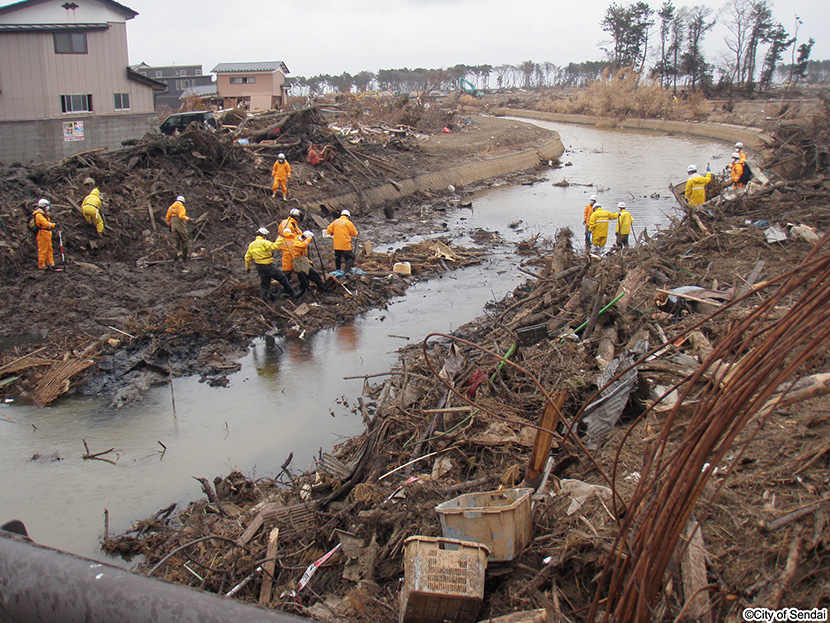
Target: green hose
pixel 604 309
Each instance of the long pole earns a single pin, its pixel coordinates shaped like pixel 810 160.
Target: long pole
pixel 60 245
pixel 319 257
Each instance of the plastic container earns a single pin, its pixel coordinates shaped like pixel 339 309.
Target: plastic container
pixel 443 580
pixel 501 520
pixel 402 268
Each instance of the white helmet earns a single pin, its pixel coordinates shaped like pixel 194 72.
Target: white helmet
pixel 692 168
pixel 263 231
pixel 180 199
pixel 736 156
pixel 345 213
pixel 592 198
pixel 621 205
pixel 739 145
pixel 308 233
pixel 294 212
pixel 280 156
pixel 43 203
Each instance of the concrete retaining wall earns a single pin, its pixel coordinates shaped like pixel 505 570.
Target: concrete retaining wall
pixel 750 137
pixel 439 180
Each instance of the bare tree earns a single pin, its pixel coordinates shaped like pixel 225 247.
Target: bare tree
pixel 694 64
pixel 736 16
pixel 761 25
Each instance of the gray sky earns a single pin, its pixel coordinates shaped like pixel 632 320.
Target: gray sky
pixel 336 36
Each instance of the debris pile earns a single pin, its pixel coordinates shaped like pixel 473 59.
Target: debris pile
pixel 648 400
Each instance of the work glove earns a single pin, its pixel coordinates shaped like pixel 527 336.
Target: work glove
pixel 308 234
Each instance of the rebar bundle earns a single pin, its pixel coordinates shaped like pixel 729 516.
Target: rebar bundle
pixel 734 384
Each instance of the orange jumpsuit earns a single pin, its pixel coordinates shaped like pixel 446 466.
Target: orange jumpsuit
pixel 45 258
pixel 288 252
pixel 281 171
pixel 736 173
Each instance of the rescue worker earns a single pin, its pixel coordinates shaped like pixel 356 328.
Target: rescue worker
pixel 45 259
pixel 736 170
pixel 292 223
pixel 696 185
pixel 624 220
pixel 288 238
pixel 598 224
pixel 91 208
pixel 343 230
pixel 589 210
pixel 739 148
pixel 302 265
pixel 176 220
pixel 261 252
pixel 281 171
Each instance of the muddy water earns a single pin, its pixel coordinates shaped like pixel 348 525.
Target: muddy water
pixel 291 396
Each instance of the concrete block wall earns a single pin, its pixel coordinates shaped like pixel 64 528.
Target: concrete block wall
pixel 43 141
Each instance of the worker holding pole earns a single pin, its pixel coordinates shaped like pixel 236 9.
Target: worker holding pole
pixel 302 265
pixel 44 226
pixel 343 230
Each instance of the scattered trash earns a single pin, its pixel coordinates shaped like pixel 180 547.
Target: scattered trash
pixel 775 234
pixel 581 492
pixel 402 268
pixel 312 568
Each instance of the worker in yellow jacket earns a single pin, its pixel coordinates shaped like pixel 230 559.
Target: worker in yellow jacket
pixel 261 253
pixel 343 230
pixel 598 224
pixel 589 210
pixel 281 171
pixel 91 208
pixel 624 220
pixel 177 219
pixel 45 258
pixel 696 185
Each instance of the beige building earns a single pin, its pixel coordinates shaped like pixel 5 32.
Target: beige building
pixel 65 84
pixel 253 86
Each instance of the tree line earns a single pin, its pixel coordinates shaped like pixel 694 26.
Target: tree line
pixel 663 45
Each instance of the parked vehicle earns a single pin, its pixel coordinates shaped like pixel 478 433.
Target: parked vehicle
pixel 180 120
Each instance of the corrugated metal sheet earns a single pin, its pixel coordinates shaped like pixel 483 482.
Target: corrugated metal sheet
pixel 248 67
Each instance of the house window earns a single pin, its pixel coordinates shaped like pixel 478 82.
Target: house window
pixel 243 80
pixel 198 72
pixel 181 85
pixel 182 72
pixel 122 101
pixel 76 103
pixel 158 74
pixel 70 42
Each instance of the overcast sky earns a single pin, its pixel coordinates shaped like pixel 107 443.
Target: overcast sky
pixel 336 36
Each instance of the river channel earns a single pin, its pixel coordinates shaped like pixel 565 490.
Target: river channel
pixel 290 396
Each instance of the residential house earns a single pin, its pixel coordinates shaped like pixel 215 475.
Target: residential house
pixel 65 84
pixel 178 79
pixel 207 94
pixel 253 86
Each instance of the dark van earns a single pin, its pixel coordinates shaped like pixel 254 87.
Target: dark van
pixel 180 120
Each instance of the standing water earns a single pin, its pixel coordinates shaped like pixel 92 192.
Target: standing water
pixel 290 396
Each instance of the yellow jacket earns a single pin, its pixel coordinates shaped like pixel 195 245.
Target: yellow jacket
pixel 624 222
pixel 342 229
pixel 281 170
pixel 598 223
pixel 261 250
pixel 696 188
pixel 93 199
pixel 177 210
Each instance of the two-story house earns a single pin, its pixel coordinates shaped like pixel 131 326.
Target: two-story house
pixel 253 86
pixel 65 83
pixel 178 78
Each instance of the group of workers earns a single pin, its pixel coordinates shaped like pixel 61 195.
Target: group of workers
pixel 294 243
pixel 596 219
pixel 738 170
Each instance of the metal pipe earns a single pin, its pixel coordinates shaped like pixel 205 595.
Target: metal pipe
pixel 38 583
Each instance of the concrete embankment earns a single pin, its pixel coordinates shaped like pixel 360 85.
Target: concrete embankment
pixel 749 136
pixel 439 180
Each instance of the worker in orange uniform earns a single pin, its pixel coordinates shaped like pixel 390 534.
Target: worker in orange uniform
pixel 288 238
pixel 624 220
pixel 696 185
pixel 598 224
pixel 261 252
pixel 91 208
pixel 45 259
pixel 739 147
pixel 589 210
pixel 736 171
pixel 343 230
pixel 176 220
pixel 292 223
pixel 302 265
pixel 281 171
